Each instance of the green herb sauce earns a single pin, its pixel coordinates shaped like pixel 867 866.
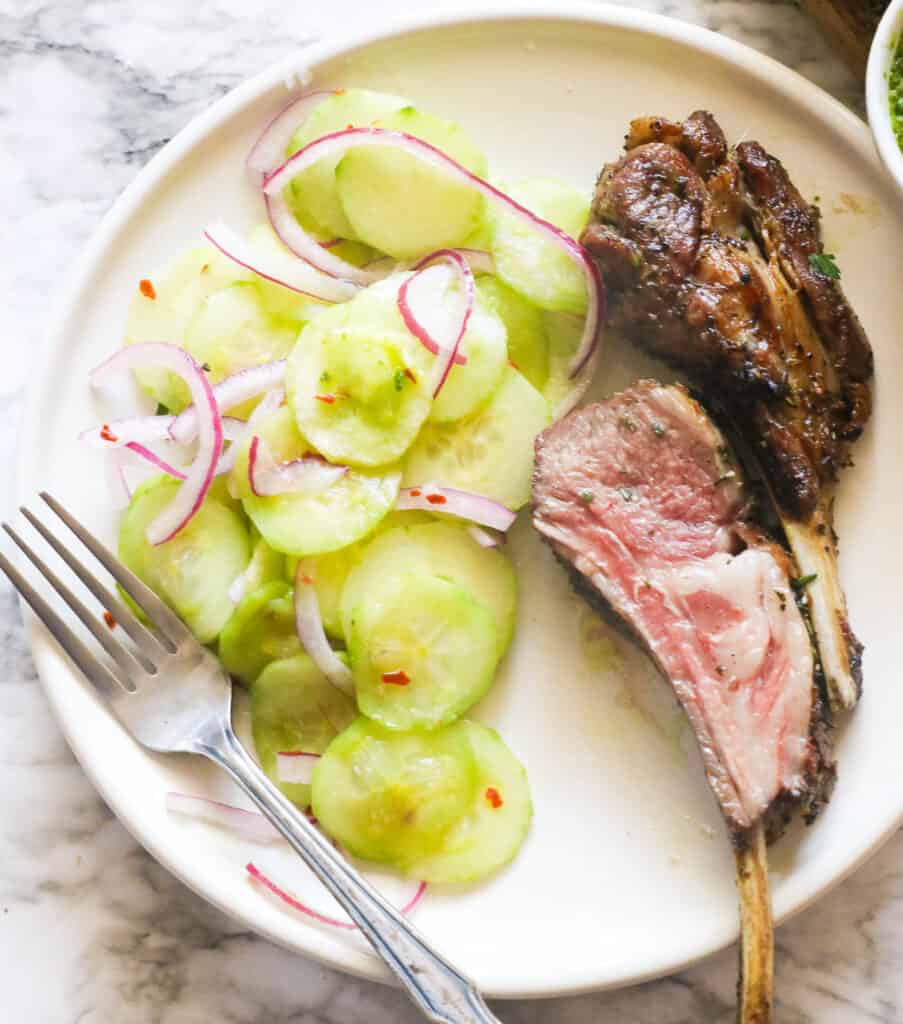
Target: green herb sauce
pixel 895 91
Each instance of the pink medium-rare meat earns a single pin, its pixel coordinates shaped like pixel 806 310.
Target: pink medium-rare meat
pixel 639 497
pixel 714 260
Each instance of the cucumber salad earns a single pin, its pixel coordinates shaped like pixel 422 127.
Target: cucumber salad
pixel 347 397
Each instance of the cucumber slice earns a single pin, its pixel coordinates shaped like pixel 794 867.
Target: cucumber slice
pixel 423 651
pixel 537 269
pixel 261 630
pixel 314 193
pixel 231 331
pixel 295 708
pixel 469 385
pixel 330 571
pixel 481 236
pixel 357 392
pixel 392 796
pixel 493 831
pixel 311 524
pixel 399 204
pixel 193 571
pixel 265 566
pixel 528 346
pixel 490 452
pixel 164 306
pixel 443 549
pixel 564 332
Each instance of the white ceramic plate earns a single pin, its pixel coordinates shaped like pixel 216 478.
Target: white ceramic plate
pixel 626 874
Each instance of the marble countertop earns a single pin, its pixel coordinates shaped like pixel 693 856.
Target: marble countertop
pixel 92 930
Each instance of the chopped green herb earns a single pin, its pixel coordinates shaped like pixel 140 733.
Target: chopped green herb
pixel 744 234
pixel 587 497
pixel 162 410
pixel 824 263
pixel 802 582
pixel 325 377
pixel 658 430
pixel 398 380
pixel 206 367
pixel 636 260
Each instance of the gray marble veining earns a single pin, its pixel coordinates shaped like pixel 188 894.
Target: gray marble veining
pixel 92 931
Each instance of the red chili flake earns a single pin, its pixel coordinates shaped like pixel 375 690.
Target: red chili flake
pixel 410 375
pixel 436 499
pixel 340 92
pixel 513 364
pixel 147 288
pixel 307 579
pixel 107 434
pixel 494 797
pixel 349 126
pixel 416 492
pixel 328 399
pixel 397 678
pixel 109 620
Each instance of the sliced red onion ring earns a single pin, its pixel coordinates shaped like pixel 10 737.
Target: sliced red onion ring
pixel 118 433
pixel 231 391
pixel 232 425
pixel 296 766
pixel 302 908
pixel 307 248
pixel 249 824
pixel 117 484
pixel 465 504
pixel 197 482
pixel 336 143
pixel 266 407
pixel 295 275
pixel 309 625
pixel 154 459
pixel 269 150
pixel 447 349
pixel 306 475
pixel 484 539
pixel 479 260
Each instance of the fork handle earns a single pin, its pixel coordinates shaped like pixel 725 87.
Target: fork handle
pixel 442 992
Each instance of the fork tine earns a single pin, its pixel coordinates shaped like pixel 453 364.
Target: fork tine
pixel 123 658
pixel 98 674
pixel 169 624
pixel 146 641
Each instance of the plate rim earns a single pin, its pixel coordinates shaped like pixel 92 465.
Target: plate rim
pixel 293 70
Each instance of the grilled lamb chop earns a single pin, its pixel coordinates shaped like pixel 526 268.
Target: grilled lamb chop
pixel 638 497
pixel 713 260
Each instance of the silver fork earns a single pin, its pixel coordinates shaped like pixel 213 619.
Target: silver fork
pixel 173 695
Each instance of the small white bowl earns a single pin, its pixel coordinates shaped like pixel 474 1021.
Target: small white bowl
pixel 881 55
